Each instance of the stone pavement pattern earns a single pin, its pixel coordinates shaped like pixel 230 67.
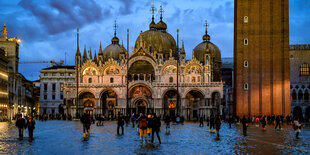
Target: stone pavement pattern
pixel 64 137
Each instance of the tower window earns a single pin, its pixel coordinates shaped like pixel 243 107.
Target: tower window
pixel 111 80
pixel 246 63
pixel 245 19
pixel 245 41
pixel 90 80
pixel 171 79
pixel 246 86
pixel 304 70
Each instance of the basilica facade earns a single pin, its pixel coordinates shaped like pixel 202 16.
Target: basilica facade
pixel 154 78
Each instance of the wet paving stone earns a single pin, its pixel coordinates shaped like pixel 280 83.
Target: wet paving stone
pixel 65 137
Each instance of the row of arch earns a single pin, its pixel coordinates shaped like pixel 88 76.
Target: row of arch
pixel 140 97
pixel 303 116
pixel 301 95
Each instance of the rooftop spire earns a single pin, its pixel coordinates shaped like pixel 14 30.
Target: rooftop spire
pixel 206 25
pixel 206 37
pixel 115 40
pixel 100 49
pixel 4 31
pixel 161 11
pixel 115 28
pixel 152 24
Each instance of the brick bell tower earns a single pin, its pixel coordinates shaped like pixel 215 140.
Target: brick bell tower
pixel 261 58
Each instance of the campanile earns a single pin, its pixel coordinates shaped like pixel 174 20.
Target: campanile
pixel 261 57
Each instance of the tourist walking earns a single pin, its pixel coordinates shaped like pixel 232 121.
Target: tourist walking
pixel 278 122
pixel 150 125
pixel 264 123
pixel 143 127
pixel 31 126
pixel 218 123
pixel 20 124
pixel 156 128
pixel 212 124
pixel 86 121
pixel 244 125
pixel 201 121
pixel 167 122
pixel 297 127
pixel 133 120
pixel 120 123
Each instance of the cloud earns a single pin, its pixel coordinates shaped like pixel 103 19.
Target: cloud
pixel 127 6
pixel 59 16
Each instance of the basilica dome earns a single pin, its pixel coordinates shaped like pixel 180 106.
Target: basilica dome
pixel 207 47
pixel 113 50
pixel 158 41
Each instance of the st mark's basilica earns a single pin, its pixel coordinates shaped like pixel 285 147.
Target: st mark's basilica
pixel 157 69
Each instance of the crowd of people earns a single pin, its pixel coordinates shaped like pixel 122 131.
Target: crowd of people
pixel 149 125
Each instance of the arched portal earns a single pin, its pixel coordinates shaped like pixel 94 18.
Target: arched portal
pixel 141 106
pixel 297 112
pixel 294 95
pixel 307 114
pixel 108 103
pixel 170 103
pixel 194 100
pixel 87 103
pixel 141 70
pixel 140 94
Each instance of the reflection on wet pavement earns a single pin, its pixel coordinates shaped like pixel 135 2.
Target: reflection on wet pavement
pixel 64 137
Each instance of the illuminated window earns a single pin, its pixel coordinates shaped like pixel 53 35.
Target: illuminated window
pixel 245 41
pixel 171 79
pixel 111 80
pixel 245 63
pixel 90 80
pixel 245 19
pixel 246 86
pixel 304 70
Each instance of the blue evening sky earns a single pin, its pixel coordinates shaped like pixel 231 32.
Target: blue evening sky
pixel 47 28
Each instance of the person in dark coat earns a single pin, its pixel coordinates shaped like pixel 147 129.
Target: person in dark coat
pixel 218 123
pixel 120 123
pixel 133 118
pixel 264 123
pixel 156 128
pixel 278 122
pixel 201 121
pixel 20 124
pixel 167 122
pixel 86 121
pixel 31 126
pixel 230 120
pixel 212 124
pixel 244 122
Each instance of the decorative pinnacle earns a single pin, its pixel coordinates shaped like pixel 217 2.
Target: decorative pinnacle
pixel 115 27
pixel 206 25
pixel 153 9
pixel 161 11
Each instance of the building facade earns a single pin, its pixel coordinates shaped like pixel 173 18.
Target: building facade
pixel 17 95
pixel 261 58
pixel 154 78
pixel 4 95
pixel 300 81
pixel 51 88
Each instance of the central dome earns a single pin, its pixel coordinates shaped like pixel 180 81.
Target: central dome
pixel 158 41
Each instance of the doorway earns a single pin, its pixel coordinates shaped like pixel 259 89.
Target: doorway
pixel 141 106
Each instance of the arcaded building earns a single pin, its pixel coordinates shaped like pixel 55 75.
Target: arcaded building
pixel 300 80
pixel 147 80
pixel 261 57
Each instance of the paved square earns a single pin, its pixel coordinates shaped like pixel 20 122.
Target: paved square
pixel 64 137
